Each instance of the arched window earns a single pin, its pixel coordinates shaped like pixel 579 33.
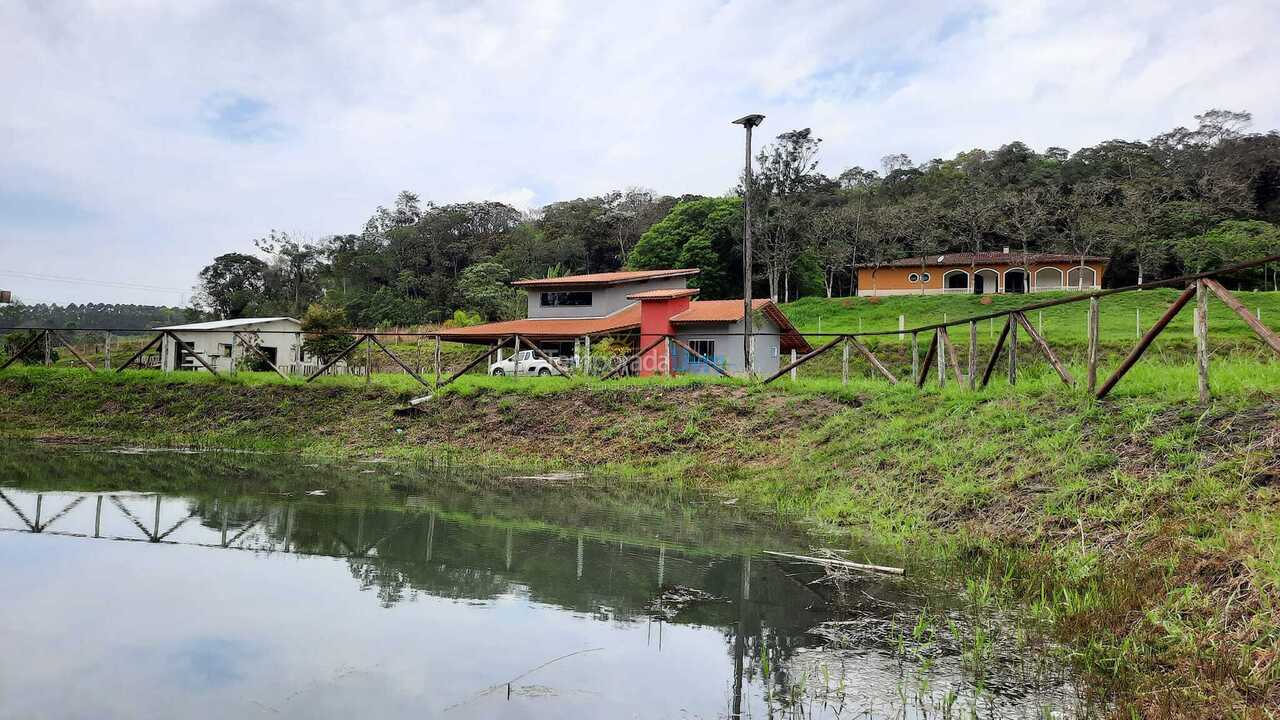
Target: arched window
pixel 986 281
pixel 1015 280
pixel 1082 277
pixel 1048 278
pixel 955 280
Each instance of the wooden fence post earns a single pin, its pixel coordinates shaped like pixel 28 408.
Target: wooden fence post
pixel 1092 353
pixel 915 355
pixel 368 361
pixel 1013 350
pixel 844 366
pixel 437 361
pixel 793 363
pixel 973 354
pixel 106 355
pixel 940 339
pixel 1202 341
pixel 515 356
pixel 1145 341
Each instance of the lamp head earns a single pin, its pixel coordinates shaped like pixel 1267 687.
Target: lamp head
pixel 749 121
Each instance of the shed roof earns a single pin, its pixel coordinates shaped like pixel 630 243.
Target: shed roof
pixel 730 311
pixel 224 324
pixel 605 279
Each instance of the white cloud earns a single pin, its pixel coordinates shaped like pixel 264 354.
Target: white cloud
pixel 166 133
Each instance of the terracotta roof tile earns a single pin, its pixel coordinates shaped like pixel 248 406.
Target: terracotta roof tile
pixel 1000 258
pixel 625 319
pixel 663 294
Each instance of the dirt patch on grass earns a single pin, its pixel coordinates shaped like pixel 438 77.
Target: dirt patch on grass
pixel 620 424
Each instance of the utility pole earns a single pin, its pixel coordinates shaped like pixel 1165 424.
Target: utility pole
pixel 748 122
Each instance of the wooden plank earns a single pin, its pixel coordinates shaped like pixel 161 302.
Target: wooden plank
pixel 1013 350
pixel 180 349
pixel 538 351
pixel 915 354
pixel 397 360
pixel 973 355
pixel 700 357
pixel 804 359
pixel 836 562
pixel 140 353
pixel 928 361
pixel 1092 359
pixel 27 346
pixel 1049 354
pixel 58 336
pixel 875 362
pixel 335 359
pixel 844 364
pixel 952 357
pixel 995 352
pixel 627 361
pixel 254 347
pixel 1264 332
pixel 1145 341
pixel 1202 340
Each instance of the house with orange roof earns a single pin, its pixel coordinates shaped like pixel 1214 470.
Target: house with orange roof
pixel 982 273
pixel 567 314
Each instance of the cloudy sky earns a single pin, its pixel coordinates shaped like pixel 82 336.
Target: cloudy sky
pixel 140 138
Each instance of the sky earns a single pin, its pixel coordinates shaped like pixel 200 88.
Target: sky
pixel 141 138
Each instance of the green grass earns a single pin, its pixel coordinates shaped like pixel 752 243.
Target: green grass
pixel 1118 315
pixel 1142 528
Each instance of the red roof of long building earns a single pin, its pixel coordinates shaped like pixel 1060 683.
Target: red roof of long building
pixel 989 258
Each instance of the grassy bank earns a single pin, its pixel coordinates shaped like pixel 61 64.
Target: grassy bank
pixel 1144 529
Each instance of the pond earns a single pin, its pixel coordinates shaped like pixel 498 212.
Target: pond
pixel 186 585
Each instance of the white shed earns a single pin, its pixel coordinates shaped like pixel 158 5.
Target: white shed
pixel 222 343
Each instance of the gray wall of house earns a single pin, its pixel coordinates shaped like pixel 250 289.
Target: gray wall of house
pixel 604 300
pixel 728 340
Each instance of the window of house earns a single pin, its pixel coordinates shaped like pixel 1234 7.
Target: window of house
pixel 224 349
pixel 927 277
pixel 774 351
pixel 575 298
pixel 706 348
pixel 913 278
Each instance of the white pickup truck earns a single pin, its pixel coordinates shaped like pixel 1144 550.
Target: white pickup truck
pixel 529 365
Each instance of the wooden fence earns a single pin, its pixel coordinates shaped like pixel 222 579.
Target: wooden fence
pixel 940 354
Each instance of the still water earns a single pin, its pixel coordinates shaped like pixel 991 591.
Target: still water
pixel 177 585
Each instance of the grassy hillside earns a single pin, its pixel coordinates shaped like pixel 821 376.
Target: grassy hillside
pixel 1142 529
pixel 1119 315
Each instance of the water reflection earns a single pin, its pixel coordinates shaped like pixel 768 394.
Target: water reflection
pixel 226 592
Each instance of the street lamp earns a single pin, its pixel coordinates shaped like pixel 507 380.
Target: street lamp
pixel 747 122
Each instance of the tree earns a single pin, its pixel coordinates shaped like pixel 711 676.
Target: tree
pixel 320 322
pixel 971 214
pixel 232 284
pixel 1230 242
pixel 834 236
pixel 1138 209
pixel 703 233
pixel 293 277
pixel 1024 216
pixel 484 288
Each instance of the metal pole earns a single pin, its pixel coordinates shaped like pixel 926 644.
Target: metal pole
pixel 747 122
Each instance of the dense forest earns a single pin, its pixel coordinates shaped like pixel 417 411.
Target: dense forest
pixel 91 315
pixel 1186 200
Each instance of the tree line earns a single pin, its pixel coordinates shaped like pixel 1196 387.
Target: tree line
pixel 1186 200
